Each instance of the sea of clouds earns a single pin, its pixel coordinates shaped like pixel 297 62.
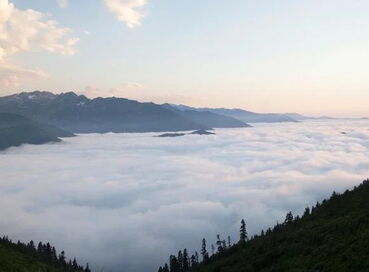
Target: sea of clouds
pixel 124 202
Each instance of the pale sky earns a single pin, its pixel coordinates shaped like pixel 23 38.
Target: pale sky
pixel 306 56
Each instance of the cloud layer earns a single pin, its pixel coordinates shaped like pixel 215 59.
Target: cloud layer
pixel 28 30
pixel 128 200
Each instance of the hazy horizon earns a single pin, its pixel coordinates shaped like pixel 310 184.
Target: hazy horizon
pixel 198 106
pixel 305 56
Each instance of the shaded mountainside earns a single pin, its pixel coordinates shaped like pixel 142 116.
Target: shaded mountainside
pixel 16 130
pixel 243 115
pixel 331 236
pixel 79 114
pixel 208 118
pixel 20 257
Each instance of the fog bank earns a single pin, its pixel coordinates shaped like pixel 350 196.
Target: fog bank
pixel 124 202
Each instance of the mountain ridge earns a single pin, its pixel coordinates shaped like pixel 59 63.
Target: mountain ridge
pixel 80 114
pixel 244 115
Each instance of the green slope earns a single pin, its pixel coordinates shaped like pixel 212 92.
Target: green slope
pixel 333 236
pixel 13 261
pixel 19 257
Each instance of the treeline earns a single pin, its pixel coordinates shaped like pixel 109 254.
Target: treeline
pixel 46 254
pixel 329 236
pixel 182 262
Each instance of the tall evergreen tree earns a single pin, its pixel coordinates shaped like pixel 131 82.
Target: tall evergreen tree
pixel 87 269
pixel 229 241
pixel 193 261
pixel 243 232
pixel 180 260
pixel 289 218
pixel 185 261
pixel 219 244
pixel 204 252
pixel 173 264
pixel 62 258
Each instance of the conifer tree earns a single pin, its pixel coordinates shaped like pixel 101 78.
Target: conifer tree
pixel 87 269
pixel 180 260
pixel 289 218
pixel 204 252
pixel 193 261
pixel 74 264
pixel 243 232
pixel 219 244
pixel 185 260
pixel 31 245
pixel 306 212
pixel 62 258
pixel 173 264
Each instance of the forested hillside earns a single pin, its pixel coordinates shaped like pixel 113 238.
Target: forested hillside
pixel 20 257
pixel 331 236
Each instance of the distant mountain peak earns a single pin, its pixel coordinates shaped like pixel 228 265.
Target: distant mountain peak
pixel 35 96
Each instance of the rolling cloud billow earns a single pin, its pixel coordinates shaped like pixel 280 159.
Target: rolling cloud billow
pixel 124 202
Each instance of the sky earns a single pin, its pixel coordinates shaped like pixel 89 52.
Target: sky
pixel 306 56
pixel 125 202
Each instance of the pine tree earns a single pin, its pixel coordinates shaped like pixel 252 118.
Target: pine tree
pixel 193 261
pixel 62 258
pixel 185 260
pixel 174 265
pixel 166 268
pixel 229 242
pixel 289 218
pixel 87 269
pixel 180 260
pixel 40 247
pixel 204 252
pixel 31 245
pixel 306 212
pixel 243 232
pixel 74 264
pixel 219 244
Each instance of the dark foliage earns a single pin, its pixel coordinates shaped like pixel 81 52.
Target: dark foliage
pixel 332 236
pixel 30 257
